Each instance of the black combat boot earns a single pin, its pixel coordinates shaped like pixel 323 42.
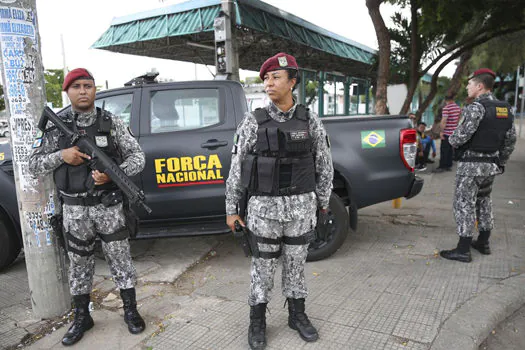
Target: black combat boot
pixel 462 251
pixel 482 244
pixel 298 320
pixel 131 316
pixel 257 329
pixel 82 322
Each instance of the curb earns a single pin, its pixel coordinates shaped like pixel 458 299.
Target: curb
pixel 471 324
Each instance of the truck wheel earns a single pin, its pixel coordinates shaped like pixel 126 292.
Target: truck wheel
pixel 337 230
pixel 9 243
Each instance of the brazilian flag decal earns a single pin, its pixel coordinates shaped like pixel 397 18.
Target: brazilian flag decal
pixel 373 139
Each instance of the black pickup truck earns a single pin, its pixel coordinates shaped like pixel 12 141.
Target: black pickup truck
pixel 186 130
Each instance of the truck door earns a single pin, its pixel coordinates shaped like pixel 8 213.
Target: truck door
pixel 187 138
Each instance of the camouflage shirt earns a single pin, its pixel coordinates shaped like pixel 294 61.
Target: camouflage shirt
pixel 281 207
pixel 47 157
pixel 471 116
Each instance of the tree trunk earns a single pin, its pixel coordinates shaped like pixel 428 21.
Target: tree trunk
pixel 415 59
pixel 383 40
pixel 461 70
pixel 458 53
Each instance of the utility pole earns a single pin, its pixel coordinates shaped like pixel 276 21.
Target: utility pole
pixel 24 94
pixel 522 113
pixel 65 98
pixel 226 52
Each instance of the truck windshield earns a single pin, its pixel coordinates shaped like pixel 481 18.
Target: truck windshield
pixel 119 105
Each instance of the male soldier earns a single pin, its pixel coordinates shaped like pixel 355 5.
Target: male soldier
pixel 83 193
pixel 281 156
pixel 484 141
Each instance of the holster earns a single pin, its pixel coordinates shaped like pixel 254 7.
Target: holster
pixel 460 151
pixel 131 218
pixel 111 198
pixel 320 228
pixel 56 223
pixel 242 234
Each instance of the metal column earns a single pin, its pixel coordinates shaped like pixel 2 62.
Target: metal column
pixel 320 94
pixel 347 97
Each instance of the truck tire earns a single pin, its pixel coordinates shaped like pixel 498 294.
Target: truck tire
pixel 9 243
pixel 337 231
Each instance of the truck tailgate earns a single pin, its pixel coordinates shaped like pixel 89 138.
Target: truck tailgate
pixel 366 151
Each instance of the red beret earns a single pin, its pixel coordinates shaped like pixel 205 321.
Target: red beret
pixel 75 74
pixel 483 71
pixel 280 61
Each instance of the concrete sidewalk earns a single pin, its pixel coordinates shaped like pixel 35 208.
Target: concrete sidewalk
pixel 386 288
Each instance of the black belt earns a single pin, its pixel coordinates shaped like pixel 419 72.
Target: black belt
pixel 86 201
pixel 479 159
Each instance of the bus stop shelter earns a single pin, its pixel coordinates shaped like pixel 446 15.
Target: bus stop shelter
pixel 185 32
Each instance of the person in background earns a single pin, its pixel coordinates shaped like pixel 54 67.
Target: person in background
pixel 425 143
pixel 412 119
pixel 449 122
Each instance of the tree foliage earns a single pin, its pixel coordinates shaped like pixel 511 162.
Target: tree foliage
pixel 437 32
pixel 501 54
pixel 54 79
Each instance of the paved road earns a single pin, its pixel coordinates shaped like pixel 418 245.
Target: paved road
pixel 509 335
pixel 386 288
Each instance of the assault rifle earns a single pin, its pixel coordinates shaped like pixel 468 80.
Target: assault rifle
pixel 99 160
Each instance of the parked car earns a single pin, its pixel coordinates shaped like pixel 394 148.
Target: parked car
pixel 186 131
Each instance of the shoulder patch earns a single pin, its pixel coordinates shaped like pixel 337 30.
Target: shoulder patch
pixel 37 143
pixel 235 139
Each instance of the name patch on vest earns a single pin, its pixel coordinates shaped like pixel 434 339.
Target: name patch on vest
pixel 502 112
pixel 101 141
pixel 299 135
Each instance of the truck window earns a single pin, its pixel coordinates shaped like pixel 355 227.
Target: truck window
pixel 183 109
pixel 119 105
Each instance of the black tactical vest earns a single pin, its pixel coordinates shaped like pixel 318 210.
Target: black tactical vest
pixel 283 162
pixel 491 132
pixel 74 178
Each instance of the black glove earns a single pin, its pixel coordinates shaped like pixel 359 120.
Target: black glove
pixel 501 168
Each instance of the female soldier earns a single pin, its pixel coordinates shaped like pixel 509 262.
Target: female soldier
pixel 281 156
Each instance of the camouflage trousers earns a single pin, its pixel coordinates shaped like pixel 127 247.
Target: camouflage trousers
pixel 83 224
pixel 472 201
pixel 293 258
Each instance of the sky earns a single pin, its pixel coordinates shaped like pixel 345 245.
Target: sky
pixel 81 23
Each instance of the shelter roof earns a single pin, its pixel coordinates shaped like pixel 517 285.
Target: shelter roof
pixel 184 32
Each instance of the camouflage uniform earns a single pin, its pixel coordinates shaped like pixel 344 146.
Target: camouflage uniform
pixel 471 176
pixel 278 216
pixel 83 223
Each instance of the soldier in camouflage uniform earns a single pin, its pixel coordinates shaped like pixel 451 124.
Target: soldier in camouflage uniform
pixel 89 208
pixel 484 140
pixel 282 207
